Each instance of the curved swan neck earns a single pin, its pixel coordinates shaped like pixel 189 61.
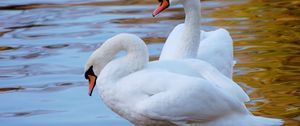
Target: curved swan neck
pixel 191 34
pixel 110 69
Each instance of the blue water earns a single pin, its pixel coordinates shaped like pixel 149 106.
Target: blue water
pixel 44 45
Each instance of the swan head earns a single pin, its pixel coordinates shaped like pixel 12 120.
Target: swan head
pixel 91 77
pixel 97 61
pixel 164 4
pixel 93 67
pixel 136 53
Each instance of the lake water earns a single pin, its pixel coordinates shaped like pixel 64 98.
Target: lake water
pixel 44 45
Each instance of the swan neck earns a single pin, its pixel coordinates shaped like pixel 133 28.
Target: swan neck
pixel 136 57
pixel 192 11
pixel 191 34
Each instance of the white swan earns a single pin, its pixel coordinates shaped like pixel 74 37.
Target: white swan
pixel 156 94
pixel 187 41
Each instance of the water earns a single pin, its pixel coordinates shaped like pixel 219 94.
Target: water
pixel 44 45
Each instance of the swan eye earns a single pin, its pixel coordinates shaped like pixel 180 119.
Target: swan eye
pixel 160 1
pixel 89 72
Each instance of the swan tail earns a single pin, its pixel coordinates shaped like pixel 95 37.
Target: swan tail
pixel 263 121
pixel 251 120
pixel 248 120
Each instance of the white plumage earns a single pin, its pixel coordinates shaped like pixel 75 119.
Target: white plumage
pixel 190 85
pixel 187 41
pixel 165 93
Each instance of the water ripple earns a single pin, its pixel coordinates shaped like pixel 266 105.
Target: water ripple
pixel 44 45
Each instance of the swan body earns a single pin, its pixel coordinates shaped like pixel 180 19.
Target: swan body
pixel 153 94
pixel 216 48
pixel 187 41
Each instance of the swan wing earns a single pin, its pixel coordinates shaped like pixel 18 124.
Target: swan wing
pixel 216 48
pixel 215 77
pixel 173 41
pixel 176 97
pixel 203 69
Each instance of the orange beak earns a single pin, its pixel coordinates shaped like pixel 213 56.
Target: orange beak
pixel 164 4
pixel 92 83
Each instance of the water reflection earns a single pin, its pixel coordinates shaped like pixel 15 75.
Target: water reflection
pixel 11 89
pixel 44 45
pixel 26 114
pixel 271 31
